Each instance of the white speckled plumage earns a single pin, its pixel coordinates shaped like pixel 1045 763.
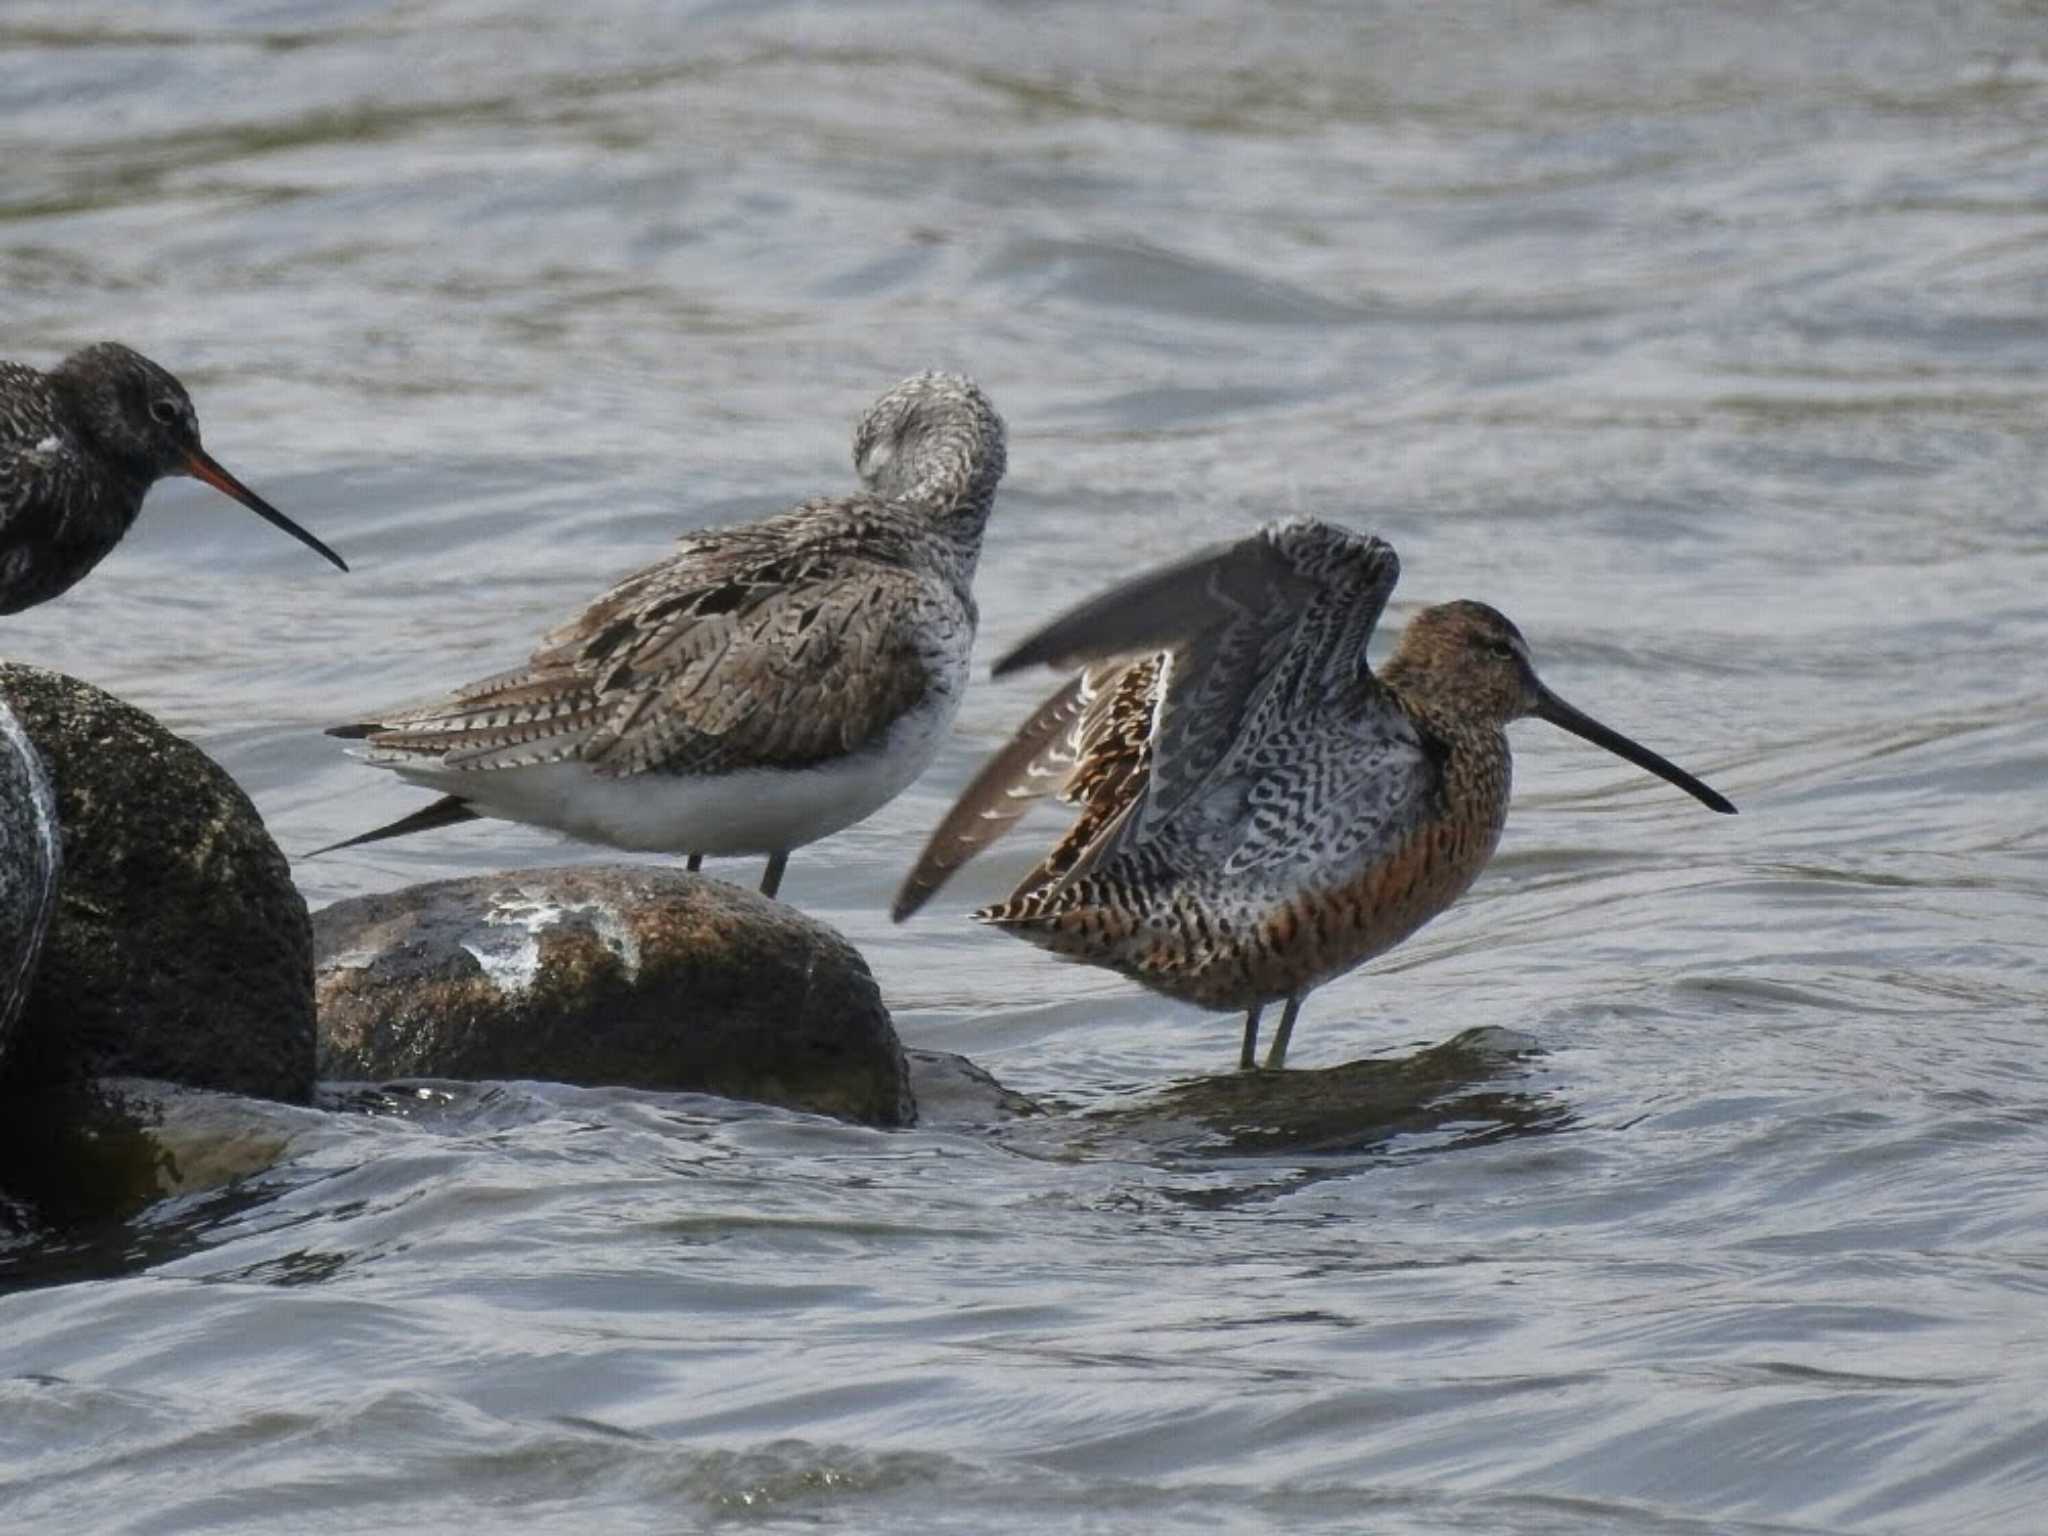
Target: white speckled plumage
pixel 766 685
pixel 80 446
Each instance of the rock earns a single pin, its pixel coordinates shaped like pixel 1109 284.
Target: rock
pixel 951 1090
pixel 179 948
pixel 99 1152
pixel 30 858
pixel 204 1140
pixel 628 976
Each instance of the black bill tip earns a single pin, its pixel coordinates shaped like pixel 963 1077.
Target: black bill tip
pixel 1562 715
pixel 202 466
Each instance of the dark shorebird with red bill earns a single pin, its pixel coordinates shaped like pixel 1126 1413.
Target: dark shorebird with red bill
pixel 1259 811
pixel 80 446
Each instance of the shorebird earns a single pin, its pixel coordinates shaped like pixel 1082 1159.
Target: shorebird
pixel 766 685
pixel 80 446
pixel 1259 812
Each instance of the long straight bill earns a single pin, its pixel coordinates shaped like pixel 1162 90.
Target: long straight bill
pixel 1560 714
pixel 202 466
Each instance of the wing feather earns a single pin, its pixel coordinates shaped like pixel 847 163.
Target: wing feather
pixel 1206 695
pixel 1250 632
pixel 772 644
pixel 1034 763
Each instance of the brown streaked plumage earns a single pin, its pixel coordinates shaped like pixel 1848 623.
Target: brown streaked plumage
pixel 762 687
pixel 1258 812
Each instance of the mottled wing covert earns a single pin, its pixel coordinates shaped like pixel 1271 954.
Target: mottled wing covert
pixel 1251 634
pixel 746 649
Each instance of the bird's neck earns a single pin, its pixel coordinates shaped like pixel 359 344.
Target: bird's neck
pixel 962 520
pixel 82 405
pixel 956 534
pixel 1441 708
pixel 1471 748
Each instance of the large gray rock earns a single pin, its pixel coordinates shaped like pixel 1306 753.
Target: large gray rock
pixel 629 976
pixel 30 858
pixel 179 948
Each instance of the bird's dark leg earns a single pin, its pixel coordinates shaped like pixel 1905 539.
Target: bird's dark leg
pixel 1276 1058
pixel 771 881
pixel 1249 1056
pixel 696 862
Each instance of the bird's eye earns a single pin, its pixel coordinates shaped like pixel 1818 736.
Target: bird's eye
pixel 164 411
pixel 1495 646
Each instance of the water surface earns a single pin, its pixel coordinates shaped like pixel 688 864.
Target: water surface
pixel 1705 342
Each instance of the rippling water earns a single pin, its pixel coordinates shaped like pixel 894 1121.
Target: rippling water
pixel 1708 342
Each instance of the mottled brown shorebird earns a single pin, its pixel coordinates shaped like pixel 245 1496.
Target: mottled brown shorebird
pixel 80 446
pixel 1259 812
pixel 766 685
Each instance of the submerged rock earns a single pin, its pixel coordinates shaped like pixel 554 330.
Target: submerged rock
pixel 98 1152
pixel 951 1090
pixel 31 856
pixel 628 976
pixel 179 948
pixel 1346 1108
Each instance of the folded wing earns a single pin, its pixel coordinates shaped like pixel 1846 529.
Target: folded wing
pixel 739 652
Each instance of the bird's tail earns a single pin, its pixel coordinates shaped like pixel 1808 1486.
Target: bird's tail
pixel 448 811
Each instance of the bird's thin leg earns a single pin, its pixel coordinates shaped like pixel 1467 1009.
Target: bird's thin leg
pixel 771 881
pixel 1249 1056
pixel 695 863
pixel 1276 1058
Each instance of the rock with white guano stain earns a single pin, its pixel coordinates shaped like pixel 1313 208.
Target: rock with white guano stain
pixel 621 975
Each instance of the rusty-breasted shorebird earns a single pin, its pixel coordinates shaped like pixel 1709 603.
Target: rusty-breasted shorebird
pixel 1259 813
pixel 766 685
pixel 80 446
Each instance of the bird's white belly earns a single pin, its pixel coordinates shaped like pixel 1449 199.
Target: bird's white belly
pixel 752 811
